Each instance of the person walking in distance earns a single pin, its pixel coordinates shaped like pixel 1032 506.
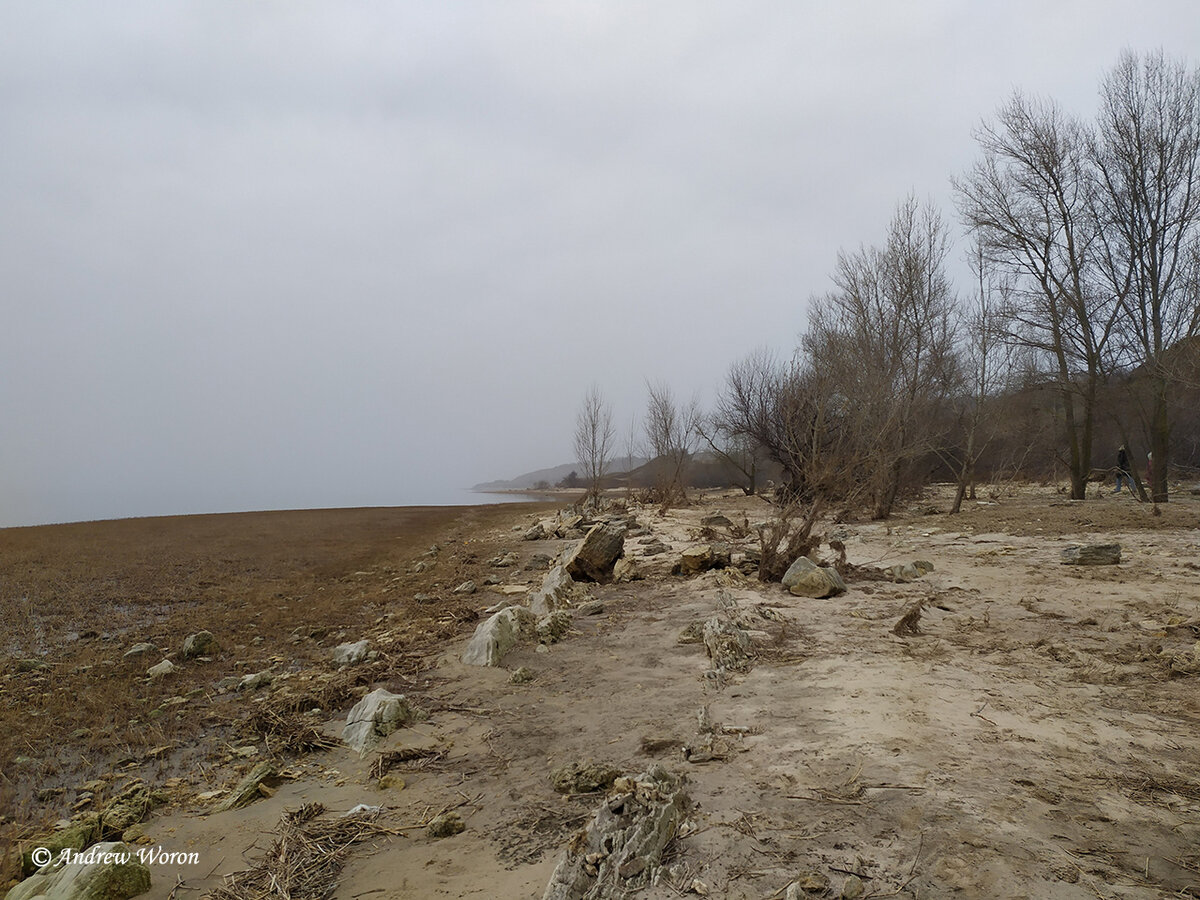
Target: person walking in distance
pixel 1123 469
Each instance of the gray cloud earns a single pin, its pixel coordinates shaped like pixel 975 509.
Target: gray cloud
pixel 279 255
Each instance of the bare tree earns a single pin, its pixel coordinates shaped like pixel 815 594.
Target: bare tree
pixel 594 441
pixel 884 341
pixel 986 363
pixel 671 436
pixel 1029 201
pixel 1146 151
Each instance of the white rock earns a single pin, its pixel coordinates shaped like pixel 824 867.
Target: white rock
pixel 350 654
pixel 497 635
pixel 375 716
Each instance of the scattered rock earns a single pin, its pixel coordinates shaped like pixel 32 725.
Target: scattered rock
pixel 654 547
pixel 467 587
pixel 621 848
pixel 591 608
pixel 625 570
pixel 255 681
pixel 75 836
pixel 498 634
pixel 693 633
pixel 523 675
pixel 853 888
pixel 425 599
pixel 815 883
pixel 701 558
pixel 1092 555
pixel 202 643
pixel 392 782
pixel 137 651
pixel 903 574
pixel 584 777
pixel 249 788
pixel 505 560
pixel 536 533
pixel 106 871
pixel 162 669
pixel 716 521
pixel 553 628
pixel 445 825
pixel 350 653
pixel 539 562
pixel 596 554
pixel 804 578
pixel 375 716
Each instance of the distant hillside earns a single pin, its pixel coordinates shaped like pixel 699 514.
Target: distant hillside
pixel 552 475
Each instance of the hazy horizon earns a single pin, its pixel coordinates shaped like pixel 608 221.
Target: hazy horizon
pixel 266 256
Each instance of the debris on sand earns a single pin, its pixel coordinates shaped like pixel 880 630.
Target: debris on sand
pixel 445 825
pixel 621 849
pixel 306 857
pixel 1092 555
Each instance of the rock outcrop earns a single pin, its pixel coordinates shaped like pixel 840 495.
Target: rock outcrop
pixel 498 634
pixel 621 848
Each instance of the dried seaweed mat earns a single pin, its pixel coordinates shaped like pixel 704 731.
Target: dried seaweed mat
pixel 305 858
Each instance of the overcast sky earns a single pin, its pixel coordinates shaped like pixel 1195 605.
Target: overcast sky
pixel 295 254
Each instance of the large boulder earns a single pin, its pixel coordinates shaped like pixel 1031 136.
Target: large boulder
pixel 106 871
pixel 376 716
pixel 498 634
pixel 596 554
pixel 804 578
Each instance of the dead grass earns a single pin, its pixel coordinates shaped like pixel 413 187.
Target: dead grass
pixel 277 589
pixel 304 859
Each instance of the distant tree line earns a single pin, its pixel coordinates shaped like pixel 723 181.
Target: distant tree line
pixel 1080 328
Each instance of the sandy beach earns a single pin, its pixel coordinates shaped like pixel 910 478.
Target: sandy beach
pixel 1032 735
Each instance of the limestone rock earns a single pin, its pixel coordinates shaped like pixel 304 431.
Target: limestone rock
pixel 596 554
pixel 557 590
pixel 523 675
pixel 553 628
pixel 1092 555
pixel 162 669
pixel 583 777
pixel 621 848
pixel 728 646
pixel 591 608
pixel 375 716
pixel 624 570
pixel 536 533
pixel 654 547
pixel 446 824
pixel 498 634
pixel 350 653
pixel 255 681
pixel 804 578
pixel 137 651
pixel 249 788
pixel 505 560
pixel 903 574
pixel 701 558
pixel 202 643
pixel 106 871
pixel 75 836
pixel 716 521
